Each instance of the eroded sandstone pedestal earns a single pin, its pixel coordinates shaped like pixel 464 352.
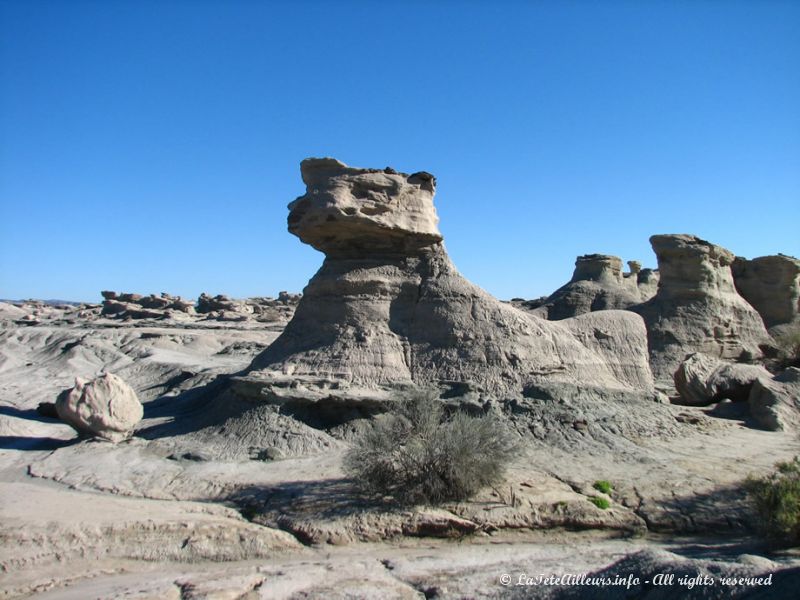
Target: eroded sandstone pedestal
pixel 389 308
pixel 697 307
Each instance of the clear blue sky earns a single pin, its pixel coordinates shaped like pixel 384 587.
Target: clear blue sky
pixel 153 146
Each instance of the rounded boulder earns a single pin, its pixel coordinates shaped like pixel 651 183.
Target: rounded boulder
pixel 105 407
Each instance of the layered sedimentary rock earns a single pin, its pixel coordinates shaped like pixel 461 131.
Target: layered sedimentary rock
pixel 772 285
pixel 697 307
pixel 617 336
pixel 223 308
pixel 598 283
pixel 218 308
pixel 388 307
pixel 137 306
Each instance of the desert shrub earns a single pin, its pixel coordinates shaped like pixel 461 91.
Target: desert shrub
pixel 603 486
pixel 776 500
pixel 600 502
pixel 787 345
pixel 791 345
pixel 421 454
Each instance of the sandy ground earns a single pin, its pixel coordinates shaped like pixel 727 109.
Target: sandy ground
pixel 84 519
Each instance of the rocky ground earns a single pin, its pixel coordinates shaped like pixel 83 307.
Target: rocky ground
pixel 188 509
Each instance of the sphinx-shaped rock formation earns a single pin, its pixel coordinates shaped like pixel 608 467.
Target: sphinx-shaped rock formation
pixel 388 308
pixel 697 307
pixel 598 283
pixel 772 285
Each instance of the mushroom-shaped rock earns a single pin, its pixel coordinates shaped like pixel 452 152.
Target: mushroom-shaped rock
pixel 597 284
pixel 697 308
pixel 389 308
pixel 702 380
pixel 349 212
pixel 105 407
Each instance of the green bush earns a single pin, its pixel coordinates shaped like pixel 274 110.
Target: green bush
pixel 776 500
pixel 600 502
pixel 603 486
pixel 422 455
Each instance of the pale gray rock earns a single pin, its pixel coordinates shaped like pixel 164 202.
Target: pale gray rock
pixel 647 283
pixel 388 307
pixel 702 380
pixel 350 212
pixel 598 283
pixel 11 312
pixel 772 285
pixel 105 407
pixel 697 308
pixel 648 572
pixel 619 337
pixel 136 306
pixel 775 403
pixel 223 308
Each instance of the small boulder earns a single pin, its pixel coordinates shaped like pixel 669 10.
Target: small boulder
pixel 105 407
pixel 775 403
pixel 702 380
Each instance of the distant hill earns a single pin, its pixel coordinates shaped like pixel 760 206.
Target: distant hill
pixel 50 302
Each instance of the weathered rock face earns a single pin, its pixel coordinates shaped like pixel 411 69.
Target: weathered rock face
pixel 702 380
pixel 388 307
pixel 647 283
pixel 223 308
pixel 597 283
pixel 618 337
pixel 349 212
pixel 775 403
pixel 772 285
pixel 137 306
pixel 105 407
pixel 697 308
pixel 218 308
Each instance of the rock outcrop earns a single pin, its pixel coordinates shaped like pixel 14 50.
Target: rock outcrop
pixel 210 308
pixel 772 285
pixel 106 407
pixel 697 308
pixel 598 283
pixel 223 308
pixel 388 308
pixel 775 403
pixel 615 335
pixel 137 306
pixel 702 380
